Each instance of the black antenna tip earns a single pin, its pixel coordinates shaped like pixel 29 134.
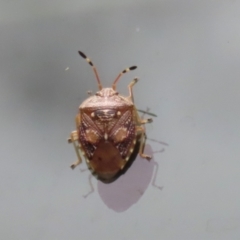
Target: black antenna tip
pixel 133 67
pixel 82 54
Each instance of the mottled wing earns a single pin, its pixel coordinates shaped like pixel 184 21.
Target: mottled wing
pixel 123 133
pixel 89 135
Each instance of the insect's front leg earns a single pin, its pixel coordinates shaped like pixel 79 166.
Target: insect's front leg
pixel 130 86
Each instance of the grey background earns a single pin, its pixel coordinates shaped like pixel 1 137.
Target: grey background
pixel 188 54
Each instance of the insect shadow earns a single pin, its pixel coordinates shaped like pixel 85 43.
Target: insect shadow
pixel 130 186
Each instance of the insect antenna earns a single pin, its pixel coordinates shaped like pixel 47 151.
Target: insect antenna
pixel 124 71
pixel 94 68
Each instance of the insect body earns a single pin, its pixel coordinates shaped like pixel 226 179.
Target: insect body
pixel 108 130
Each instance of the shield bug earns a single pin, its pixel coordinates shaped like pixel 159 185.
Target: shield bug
pixel 108 130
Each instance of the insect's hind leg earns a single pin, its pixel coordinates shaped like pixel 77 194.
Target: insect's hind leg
pixel 142 134
pixel 142 138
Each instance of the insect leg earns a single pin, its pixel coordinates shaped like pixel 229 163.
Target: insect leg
pixel 142 136
pixel 144 121
pixel 74 140
pixel 77 120
pixel 130 86
pixel 141 121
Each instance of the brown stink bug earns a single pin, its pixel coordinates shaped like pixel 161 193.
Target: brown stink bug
pixel 108 130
